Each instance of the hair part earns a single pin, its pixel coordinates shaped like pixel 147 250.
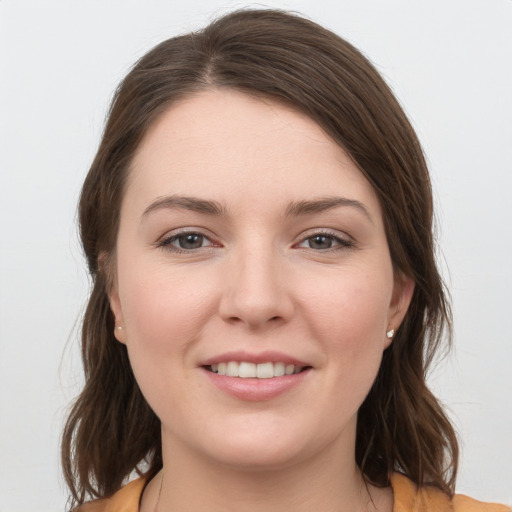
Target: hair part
pixel 401 425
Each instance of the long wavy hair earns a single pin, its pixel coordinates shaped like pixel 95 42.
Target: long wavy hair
pixel 111 431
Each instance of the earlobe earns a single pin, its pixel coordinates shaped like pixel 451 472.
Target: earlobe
pixel 120 334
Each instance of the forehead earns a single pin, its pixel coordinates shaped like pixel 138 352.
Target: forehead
pixel 231 145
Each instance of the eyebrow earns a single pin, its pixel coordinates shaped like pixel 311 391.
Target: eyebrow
pixel 299 208
pixel 194 204
pixel 294 209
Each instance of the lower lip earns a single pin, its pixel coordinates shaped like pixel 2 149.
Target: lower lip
pixel 253 389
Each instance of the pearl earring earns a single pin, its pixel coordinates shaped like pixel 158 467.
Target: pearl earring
pixel 390 333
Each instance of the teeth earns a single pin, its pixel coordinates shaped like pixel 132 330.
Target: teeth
pixel 246 370
pixel 232 369
pixel 278 369
pixel 265 371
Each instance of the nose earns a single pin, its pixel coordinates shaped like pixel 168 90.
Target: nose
pixel 255 291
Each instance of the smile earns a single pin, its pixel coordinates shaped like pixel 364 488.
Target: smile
pixel 247 370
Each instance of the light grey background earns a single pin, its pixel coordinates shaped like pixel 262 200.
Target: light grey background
pixel 449 62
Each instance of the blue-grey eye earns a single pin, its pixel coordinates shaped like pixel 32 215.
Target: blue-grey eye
pixel 324 242
pixel 186 241
pixel 189 241
pixel 320 242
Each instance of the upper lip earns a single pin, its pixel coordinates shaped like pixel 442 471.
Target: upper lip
pixel 268 356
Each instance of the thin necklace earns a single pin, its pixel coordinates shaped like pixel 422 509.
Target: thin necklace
pixel 159 492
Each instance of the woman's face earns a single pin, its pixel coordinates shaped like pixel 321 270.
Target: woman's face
pixel 250 244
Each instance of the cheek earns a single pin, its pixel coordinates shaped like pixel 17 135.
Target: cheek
pixel 351 306
pixel 164 310
pixel 349 314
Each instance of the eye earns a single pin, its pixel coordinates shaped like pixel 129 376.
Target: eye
pixel 186 241
pixel 324 242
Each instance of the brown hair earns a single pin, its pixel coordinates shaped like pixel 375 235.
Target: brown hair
pixel 401 426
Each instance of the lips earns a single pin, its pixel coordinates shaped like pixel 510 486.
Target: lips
pixel 255 377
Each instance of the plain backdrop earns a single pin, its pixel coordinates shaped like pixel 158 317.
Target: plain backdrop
pixel 449 62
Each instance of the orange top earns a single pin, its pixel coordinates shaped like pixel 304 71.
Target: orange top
pixel 406 499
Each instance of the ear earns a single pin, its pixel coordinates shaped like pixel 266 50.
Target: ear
pixel 105 266
pixel 403 290
pixel 117 311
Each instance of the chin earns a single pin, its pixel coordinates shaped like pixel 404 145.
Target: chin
pixel 263 449
pixel 258 458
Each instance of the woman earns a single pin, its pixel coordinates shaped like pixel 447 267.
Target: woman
pixel 258 225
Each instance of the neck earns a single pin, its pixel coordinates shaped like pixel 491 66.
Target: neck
pixel 327 482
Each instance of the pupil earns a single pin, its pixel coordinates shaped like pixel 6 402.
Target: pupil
pixel 320 242
pixel 193 241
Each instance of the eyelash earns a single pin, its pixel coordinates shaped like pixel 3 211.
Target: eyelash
pixel 342 243
pixel 167 242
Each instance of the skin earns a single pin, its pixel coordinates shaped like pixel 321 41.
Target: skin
pixel 257 280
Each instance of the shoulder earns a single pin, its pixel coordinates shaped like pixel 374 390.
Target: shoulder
pixel 465 504
pixel 408 498
pixel 125 500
